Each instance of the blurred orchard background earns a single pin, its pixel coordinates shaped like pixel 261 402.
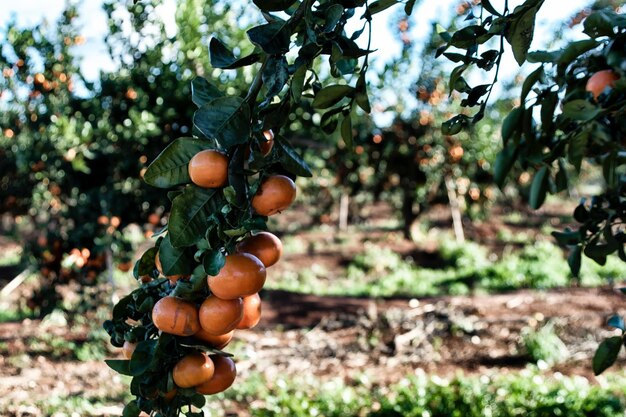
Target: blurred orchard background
pixel 410 284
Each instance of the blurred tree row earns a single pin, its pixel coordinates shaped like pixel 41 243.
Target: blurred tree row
pixel 73 151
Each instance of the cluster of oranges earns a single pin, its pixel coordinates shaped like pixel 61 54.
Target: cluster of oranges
pixel 234 301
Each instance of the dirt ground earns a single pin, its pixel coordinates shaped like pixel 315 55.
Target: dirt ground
pixel 381 339
pixel 331 337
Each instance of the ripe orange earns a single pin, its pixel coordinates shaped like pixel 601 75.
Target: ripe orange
pixel 601 80
pixel 243 274
pixel 264 245
pixel 223 376
pixel 219 316
pixel 209 169
pixel 218 342
pixel 193 369
pixel 275 194
pixel 128 348
pixel 251 312
pixel 176 316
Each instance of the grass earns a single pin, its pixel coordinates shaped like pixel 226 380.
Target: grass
pixel 379 272
pixel 527 393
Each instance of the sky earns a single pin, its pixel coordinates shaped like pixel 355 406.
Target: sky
pixel 93 23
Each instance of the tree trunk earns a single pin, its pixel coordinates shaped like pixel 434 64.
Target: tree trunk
pixel 457 221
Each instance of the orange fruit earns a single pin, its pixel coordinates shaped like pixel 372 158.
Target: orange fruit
pixel 601 80
pixel 275 194
pixel 219 316
pixel 169 396
pixel 217 342
pixel 125 266
pixel 128 348
pixel 251 312
pixel 223 376
pixel 267 145
pixel 192 370
pixel 264 245
pixel 209 169
pixel 176 316
pixel 243 274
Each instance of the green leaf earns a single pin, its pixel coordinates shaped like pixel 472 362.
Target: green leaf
pixel 567 238
pixel 142 357
pixel 189 289
pixel 380 5
pixel 539 187
pixel 530 81
pixel 273 38
pixel 202 91
pixel 543 56
pixel 408 7
pixel 600 23
pixel 331 95
pixel 455 124
pixel 170 168
pixel 487 6
pixel 213 262
pixel 273 5
pixel 226 119
pixel 561 180
pixel 512 123
pixel 131 410
pixel 174 261
pixel 468 36
pixel 145 264
pixel 617 322
pixel 574 260
pixel 297 82
pixel 222 57
pixel 275 75
pixel 576 148
pixel 521 30
pixel 582 110
pixel 119 366
pixel 573 51
pixel 346 130
pixel 190 215
pixel 333 16
pixel 289 158
pixel 504 162
pixel 606 355
pixel 361 98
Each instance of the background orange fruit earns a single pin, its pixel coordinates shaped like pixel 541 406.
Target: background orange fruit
pixel 601 80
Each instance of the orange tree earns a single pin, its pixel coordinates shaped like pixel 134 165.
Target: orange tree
pixel 223 180
pixel 73 151
pixel 572 111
